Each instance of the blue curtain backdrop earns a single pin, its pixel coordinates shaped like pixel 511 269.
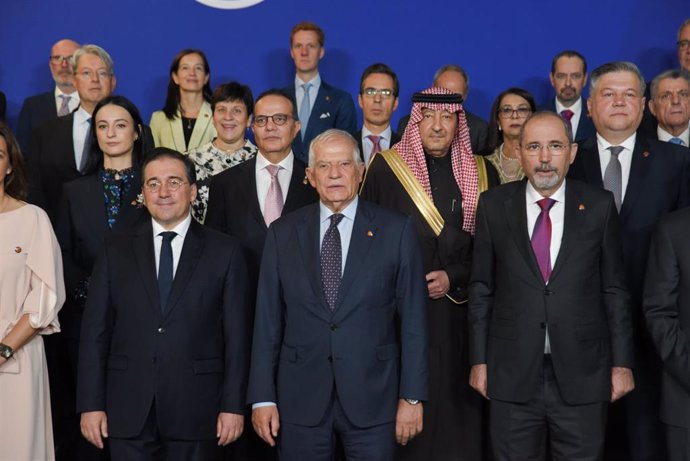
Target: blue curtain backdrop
pixel 500 43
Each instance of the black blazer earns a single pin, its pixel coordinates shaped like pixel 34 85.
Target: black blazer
pixel 35 111
pixel 479 130
pixel 192 358
pixel 358 136
pixel 585 304
pixel 585 127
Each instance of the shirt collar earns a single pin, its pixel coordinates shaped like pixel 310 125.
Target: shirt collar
pixel 262 162
pixel 81 116
pixel 385 134
pixel 349 212
pixel 576 107
pixel 315 82
pixel 628 143
pixel 181 229
pixel 74 95
pixel 664 135
pixel 533 196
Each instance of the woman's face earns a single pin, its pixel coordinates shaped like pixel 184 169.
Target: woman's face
pixel 191 74
pixel 512 114
pixel 115 131
pixel 231 120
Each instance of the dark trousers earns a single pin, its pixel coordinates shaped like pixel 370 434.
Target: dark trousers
pixel 151 446
pixel 317 443
pixel 519 431
pixel 678 443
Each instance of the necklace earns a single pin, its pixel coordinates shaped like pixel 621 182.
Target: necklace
pixel 510 167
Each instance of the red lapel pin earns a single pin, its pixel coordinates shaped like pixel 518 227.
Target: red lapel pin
pixel 645 154
pixel 581 207
pixel 370 234
pixel 17 249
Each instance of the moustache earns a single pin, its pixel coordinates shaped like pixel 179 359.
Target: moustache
pixel 546 169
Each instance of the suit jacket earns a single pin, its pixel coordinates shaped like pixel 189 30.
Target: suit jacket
pixel 667 311
pixel 479 130
pixel 233 208
pixel 302 349
pixel 333 108
pixel 169 133
pixel 191 359
pixel 585 304
pixel 585 127
pixel 358 136
pixel 35 111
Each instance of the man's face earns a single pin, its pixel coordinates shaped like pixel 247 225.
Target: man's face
pixel 306 51
pixel 61 68
pixel 684 48
pixel 437 130
pixel 274 139
pixel 671 104
pixel 168 207
pixel 378 109
pixel 453 81
pixel 334 173
pixel 616 105
pixel 545 154
pixel 93 79
pixel 568 79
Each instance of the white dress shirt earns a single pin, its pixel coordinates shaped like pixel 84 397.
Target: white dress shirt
pixel 625 157
pixel 577 111
pixel 263 177
pixel 313 91
pixel 73 101
pixel 80 129
pixel 176 243
pixel 665 136
pixel 344 227
pixel 368 145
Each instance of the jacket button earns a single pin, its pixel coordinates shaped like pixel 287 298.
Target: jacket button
pixel 330 358
pixel 548 292
pixel 161 330
pixel 542 324
pixel 333 327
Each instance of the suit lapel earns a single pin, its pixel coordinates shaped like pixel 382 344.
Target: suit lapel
pixel 201 126
pixel 321 106
pixel 589 156
pixel 191 252
pixel 94 200
pixel 308 236
pixel 176 132
pixel 65 143
pixel 248 179
pixel 130 211
pixel 639 168
pixel 145 256
pixel 516 214
pixel 573 218
pixel 295 189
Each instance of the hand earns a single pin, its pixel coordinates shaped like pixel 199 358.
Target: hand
pixel 437 283
pixel 94 424
pixel 408 421
pixel 229 428
pixel 266 422
pixel 478 379
pixel 622 382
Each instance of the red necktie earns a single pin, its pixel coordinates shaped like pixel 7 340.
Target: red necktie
pixel 541 238
pixel 567 115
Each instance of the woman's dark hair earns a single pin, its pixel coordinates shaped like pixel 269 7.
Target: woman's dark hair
pixel 15 182
pixel 172 99
pixel 495 136
pixel 94 162
pixel 233 91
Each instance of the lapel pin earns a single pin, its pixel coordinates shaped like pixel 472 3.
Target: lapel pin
pixel 581 207
pixel 370 234
pixel 328 98
pixel 645 154
pixel 17 249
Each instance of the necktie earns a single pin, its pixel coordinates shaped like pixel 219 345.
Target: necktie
pixel 87 148
pixel 613 177
pixel 305 108
pixel 273 206
pixel 676 141
pixel 64 105
pixel 541 238
pixel 331 261
pixel 567 114
pixel 165 268
pixel 376 141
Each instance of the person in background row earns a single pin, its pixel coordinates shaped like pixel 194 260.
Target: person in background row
pixel 31 294
pixel 186 120
pixel 670 104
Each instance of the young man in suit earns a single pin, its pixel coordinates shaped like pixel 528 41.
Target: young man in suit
pixel 648 179
pixel 378 98
pixel 164 350
pixel 338 349
pixel 320 105
pixel 548 354
pixel 670 104
pixel 64 98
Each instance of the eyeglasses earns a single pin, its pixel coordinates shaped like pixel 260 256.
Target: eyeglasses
pixel 57 59
pixel 555 148
pixel 88 74
pixel 683 44
pixel 173 184
pixel 278 119
pixel 372 92
pixel 507 112
pixel 667 96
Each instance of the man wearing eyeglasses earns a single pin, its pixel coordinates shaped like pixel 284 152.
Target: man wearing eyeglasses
pixel 670 104
pixel 62 100
pixel 551 333
pixel 378 99
pixel 164 356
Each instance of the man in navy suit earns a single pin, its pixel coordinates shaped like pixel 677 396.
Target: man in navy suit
pixel 340 328
pixel 568 77
pixel 670 104
pixel 648 178
pixel 164 350
pixel 62 100
pixel 320 105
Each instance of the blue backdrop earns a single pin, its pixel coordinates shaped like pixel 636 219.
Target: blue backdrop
pixel 501 43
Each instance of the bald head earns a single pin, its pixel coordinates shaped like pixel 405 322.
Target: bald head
pixel 61 64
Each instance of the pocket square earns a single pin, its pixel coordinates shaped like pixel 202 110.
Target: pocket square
pixel 325 115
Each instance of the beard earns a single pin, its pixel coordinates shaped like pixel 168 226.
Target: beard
pixel 545 182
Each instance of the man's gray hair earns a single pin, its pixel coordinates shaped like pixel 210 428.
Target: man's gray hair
pixel 682 26
pixel 453 68
pixel 673 74
pixel 330 135
pixel 613 67
pixel 96 51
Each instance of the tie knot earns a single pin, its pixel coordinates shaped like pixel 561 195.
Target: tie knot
pixel 64 97
pixel 336 218
pixel 273 170
pixel 545 204
pixel 567 114
pixel 615 150
pixel 374 139
pixel 675 140
pixel 168 236
pixel 306 87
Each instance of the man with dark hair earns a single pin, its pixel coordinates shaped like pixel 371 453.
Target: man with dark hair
pixel 164 352
pixel 378 98
pixel 568 77
pixel 320 106
pixel 670 104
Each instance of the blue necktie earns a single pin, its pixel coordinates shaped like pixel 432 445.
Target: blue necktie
pixel 165 268
pixel 331 261
pixel 676 141
pixel 305 109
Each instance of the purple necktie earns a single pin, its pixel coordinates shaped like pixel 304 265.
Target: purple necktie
pixel 331 261
pixel 376 141
pixel 273 206
pixel 567 114
pixel 541 238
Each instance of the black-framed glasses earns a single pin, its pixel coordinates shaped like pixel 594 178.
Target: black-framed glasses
pixel 555 148
pixel 372 92
pixel 57 59
pixel 507 112
pixel 683 44
pixel 278 119
pixel 173 184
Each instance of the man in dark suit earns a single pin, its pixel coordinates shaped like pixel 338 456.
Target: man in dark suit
pixel 320 105
pixel 648 179
pixel 670 104
pixel 454 78
pixel 551 336
pixel 667 311
pixel 164 351
pixel 568 77
pixel 62 100
pixel 378 98
pixel 340 329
